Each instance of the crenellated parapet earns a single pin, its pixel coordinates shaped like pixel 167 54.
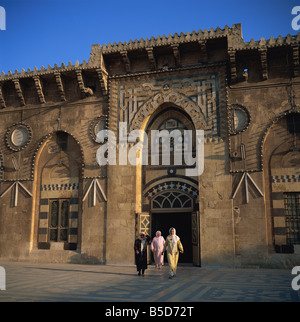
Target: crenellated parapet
pixel 173 40
pixel 164 52
pixel 36 81
pixel 160 54
pixel 43 71
pixel 268 43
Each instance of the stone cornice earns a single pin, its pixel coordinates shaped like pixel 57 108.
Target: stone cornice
pixel 96 60
pixel 172 40
pixel 46 71
pixel 40 76
pixel 268 43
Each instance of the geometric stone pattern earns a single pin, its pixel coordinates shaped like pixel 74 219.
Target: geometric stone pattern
pixel 174 186
pixel 198 94
pixel 66 186
pixel 286 178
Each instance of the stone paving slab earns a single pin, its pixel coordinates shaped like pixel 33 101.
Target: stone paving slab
pixel 32 282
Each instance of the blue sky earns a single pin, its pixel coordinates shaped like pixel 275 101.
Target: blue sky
pixel 42 32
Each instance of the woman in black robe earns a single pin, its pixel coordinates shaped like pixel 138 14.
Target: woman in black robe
pixel 140 249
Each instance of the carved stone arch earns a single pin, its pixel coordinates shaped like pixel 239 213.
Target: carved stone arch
pixel 167 111
pixel 274 120
pixel 280 159
pixel 172 97
pixel 174 200
pixel 48 136
pixel 180 184
pixel 67 167
pixel 57 173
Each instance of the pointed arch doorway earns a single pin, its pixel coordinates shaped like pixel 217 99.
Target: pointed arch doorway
pixel 166 197
pixel 174 204
pixel 174 209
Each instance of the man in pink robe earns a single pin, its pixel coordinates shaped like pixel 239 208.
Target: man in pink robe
pixel 157 246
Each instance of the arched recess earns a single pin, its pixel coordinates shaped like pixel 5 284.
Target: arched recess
pixel 154 121
pixel 168 98
pixel 281 159
pixel 56 214
pixel 169 181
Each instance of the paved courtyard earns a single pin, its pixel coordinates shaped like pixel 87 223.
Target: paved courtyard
pixel 108 283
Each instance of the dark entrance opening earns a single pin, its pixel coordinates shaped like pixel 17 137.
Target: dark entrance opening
pixel 182 222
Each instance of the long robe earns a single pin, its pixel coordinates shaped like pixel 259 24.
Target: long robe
pixel 157 246
pixel 172 253
pixel 141 257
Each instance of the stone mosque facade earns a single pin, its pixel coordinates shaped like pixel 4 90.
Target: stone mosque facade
pixel 57 204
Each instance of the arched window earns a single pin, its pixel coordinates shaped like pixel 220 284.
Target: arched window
pixel 172 200
pixel 175 135
pixel 282 151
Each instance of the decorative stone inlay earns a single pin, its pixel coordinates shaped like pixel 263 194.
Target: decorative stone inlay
pixel 18 136
pixel 174 186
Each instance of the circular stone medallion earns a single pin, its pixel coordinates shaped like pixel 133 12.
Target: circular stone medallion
pixel 18 136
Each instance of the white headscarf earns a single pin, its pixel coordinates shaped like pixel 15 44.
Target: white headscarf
pixel 143 240
pixel 175 239
pixel 159 239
